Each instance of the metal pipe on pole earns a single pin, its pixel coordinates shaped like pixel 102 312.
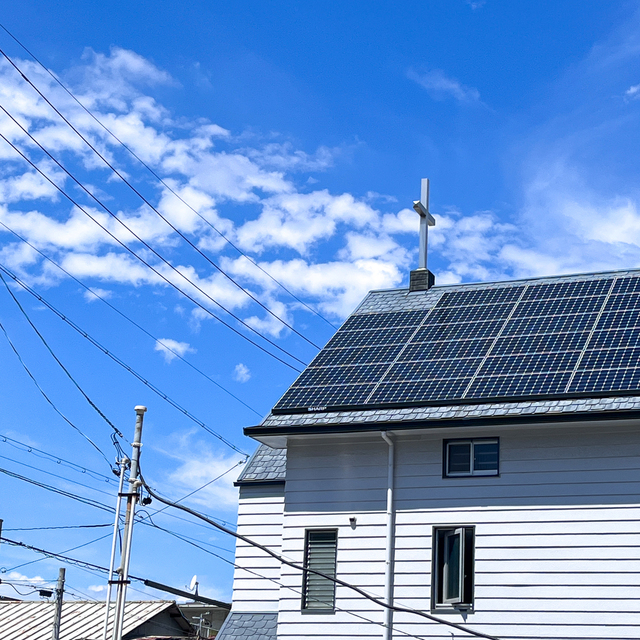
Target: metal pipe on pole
pixel 57 616
pixel 123 463
pixel 132 499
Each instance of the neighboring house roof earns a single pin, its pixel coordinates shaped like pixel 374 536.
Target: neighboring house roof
pixel 265 465
pixel 557 347
pixel 83 620
pixel 257 626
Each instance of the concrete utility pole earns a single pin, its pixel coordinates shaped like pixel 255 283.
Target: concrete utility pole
pixel 57 618
pixel 132 499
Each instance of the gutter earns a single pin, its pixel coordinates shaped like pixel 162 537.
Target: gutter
pixel 390 540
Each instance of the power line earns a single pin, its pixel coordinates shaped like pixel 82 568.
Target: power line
pixel 88 501
pixel 46 397
pixel 144 199
pixel 53 355
pixel 55 475
pixel 69 526
pixel 116 359
pixel 147 245
pixel 49 456
pixel 126 317
pixel 302 568
pixel 165 184
pixel 235 466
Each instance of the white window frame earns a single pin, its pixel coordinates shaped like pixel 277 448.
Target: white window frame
pixel 472 471
pixel 448 539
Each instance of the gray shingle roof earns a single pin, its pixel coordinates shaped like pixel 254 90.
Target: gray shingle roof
pixel 399 300
pixel 249 626
pixel 265 465
pixel 453 412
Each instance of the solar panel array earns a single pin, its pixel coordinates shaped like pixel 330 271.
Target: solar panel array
pixel 523 340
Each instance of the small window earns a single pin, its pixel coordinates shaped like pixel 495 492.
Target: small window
pixel 319 593
pixel 453 554
pixel 477 457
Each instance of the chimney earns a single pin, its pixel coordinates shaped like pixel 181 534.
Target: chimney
pixel 421 279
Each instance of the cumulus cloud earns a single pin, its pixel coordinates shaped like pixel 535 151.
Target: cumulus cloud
pixel 241 373
pixel 171 349
pixel 440 86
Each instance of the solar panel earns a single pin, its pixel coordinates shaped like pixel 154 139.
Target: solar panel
pixel 482 343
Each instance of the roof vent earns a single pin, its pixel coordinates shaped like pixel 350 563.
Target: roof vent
pixel 421 279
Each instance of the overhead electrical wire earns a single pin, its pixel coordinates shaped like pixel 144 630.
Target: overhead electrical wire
pixel 295 565
pixel 150 248
pixel 130 320
pixel 39 453
pixel 55 357
pixel 55 475
pixel 163 182
pixel 48 399
pixel 67 526
pixel 45 455
pixel 144 199
pixel 116 359
pixel 87 501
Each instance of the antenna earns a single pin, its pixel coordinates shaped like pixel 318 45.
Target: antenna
pixel 194 585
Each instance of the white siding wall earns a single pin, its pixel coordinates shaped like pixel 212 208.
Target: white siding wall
pixel 259 518
pixel 557 533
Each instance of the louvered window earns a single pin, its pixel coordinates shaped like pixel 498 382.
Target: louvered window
pixel 319 593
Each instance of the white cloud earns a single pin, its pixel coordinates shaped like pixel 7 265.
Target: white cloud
pixel 633 92
pixel 193 472
pixel 171 349
pixel 241 373
pixel 22 582
pixel 95 293
pixel 440 86
pixel 476 4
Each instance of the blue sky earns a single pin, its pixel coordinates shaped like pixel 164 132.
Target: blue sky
pixel 301 132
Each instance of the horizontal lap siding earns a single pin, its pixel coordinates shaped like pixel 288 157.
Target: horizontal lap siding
pixel 256 585
pixel 557 533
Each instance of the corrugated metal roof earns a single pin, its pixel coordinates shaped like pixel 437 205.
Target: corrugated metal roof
pixel 81 620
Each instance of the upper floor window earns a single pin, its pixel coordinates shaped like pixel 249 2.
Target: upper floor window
pixel 476 457
pixel 318 592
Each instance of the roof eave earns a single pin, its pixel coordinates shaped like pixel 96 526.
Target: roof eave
pixel 445 423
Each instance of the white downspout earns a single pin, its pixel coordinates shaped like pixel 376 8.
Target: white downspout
pixel 390 541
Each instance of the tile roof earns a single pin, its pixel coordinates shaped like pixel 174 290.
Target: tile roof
pixel 249 626
pixel 452 412
pixel 265 465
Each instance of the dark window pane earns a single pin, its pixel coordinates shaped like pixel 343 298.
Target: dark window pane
pixel 459 458
pixel 485 456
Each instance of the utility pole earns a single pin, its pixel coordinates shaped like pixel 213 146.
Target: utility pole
pixel 124 465
pixel 132 498
pixel 57 617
